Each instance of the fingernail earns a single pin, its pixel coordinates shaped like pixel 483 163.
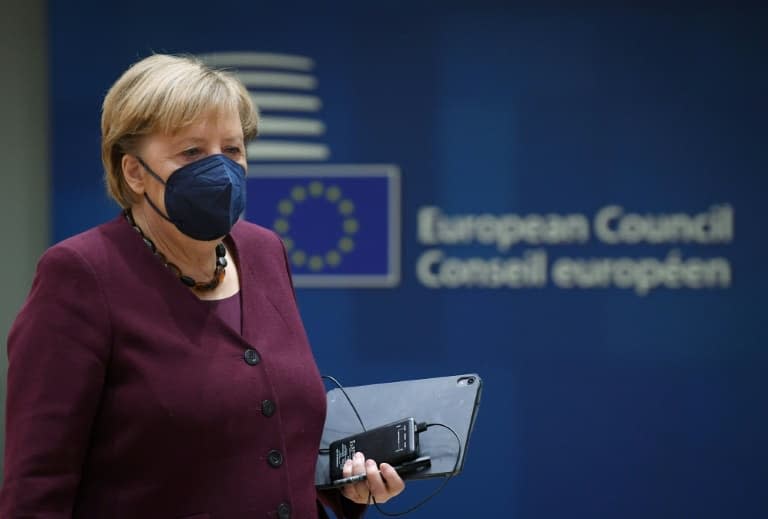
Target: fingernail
pixel 370 463
pixel 359 456
pixel 347 463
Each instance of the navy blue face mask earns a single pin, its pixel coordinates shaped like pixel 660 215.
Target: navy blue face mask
pixel 204 198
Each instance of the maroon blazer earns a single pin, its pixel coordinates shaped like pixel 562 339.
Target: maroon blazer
pixel 129 397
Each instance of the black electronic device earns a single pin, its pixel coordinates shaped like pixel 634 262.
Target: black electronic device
pixel 393 443
pixel 452 402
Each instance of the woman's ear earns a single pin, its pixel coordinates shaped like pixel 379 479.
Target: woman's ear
pixel 133 174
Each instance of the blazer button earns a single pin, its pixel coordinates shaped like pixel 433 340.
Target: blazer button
pixel 284 511
pixel 267 408
pixel 251 357
pixel 274 458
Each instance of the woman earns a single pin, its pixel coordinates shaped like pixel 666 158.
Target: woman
pixel 159 367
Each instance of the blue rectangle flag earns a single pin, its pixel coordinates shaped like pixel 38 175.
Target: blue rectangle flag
pixel 340 223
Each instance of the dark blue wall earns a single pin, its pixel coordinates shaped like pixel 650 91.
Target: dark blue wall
pixel 598 402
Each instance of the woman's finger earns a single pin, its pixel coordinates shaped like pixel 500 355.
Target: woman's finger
pixel 392 479
pixel 357 492
pixel 375 482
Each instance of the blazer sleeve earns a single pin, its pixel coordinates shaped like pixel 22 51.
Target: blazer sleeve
pixel 58 351
pixel 342 507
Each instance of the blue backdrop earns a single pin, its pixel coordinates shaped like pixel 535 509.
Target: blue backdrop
pixel 602 398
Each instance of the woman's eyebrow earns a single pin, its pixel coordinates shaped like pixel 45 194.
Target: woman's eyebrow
pixel 202 140
pixel 189 139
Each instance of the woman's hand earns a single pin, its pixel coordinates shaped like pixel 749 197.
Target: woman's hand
pixel 381 482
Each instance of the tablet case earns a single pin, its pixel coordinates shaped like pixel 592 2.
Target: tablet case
pixel 452 401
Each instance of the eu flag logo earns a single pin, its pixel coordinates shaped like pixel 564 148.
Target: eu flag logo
pixel 340 223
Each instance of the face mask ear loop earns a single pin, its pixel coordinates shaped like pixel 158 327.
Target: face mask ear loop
pixel 149 170
pixel 157 177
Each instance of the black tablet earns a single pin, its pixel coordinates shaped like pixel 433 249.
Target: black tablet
pixel 450 401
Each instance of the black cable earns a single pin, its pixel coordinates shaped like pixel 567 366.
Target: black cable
pixel 338 384
pixel 420 428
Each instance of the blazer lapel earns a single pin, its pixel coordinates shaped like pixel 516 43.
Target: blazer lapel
pixel 251 296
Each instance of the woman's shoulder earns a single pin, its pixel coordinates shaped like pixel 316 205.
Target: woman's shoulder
pixel 92 246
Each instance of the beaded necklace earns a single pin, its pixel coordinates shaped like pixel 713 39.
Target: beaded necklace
pixel 218 273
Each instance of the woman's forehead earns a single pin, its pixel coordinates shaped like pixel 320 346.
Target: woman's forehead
pixel 221 123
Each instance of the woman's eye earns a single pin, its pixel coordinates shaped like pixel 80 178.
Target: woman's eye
pixel 191 152
pixel 233 150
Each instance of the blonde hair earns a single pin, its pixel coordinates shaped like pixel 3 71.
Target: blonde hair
pixel 164 94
